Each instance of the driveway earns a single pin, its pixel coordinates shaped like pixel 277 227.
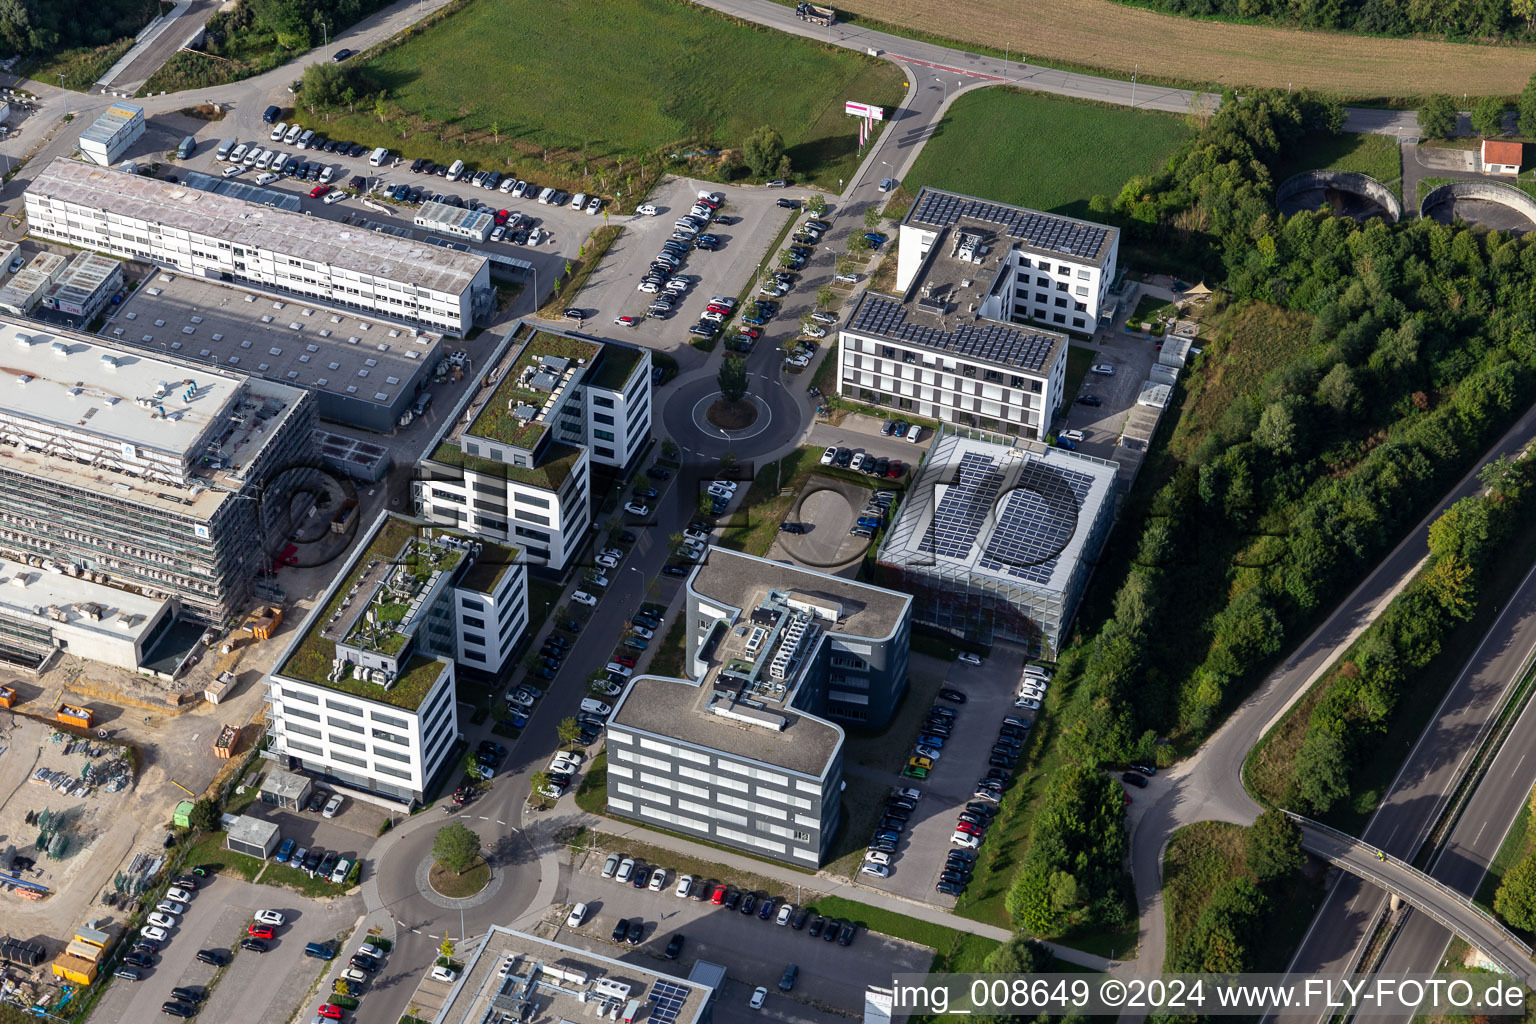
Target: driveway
pixel 255 986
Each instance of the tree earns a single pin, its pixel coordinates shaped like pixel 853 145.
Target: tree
pixel 1273 845
pixel 446 949
pixel 325 85
pixel 1488 116
pixel 456 848
pixel 858 244
pixel 733 379
pixel 763 151
pixel 204 816
pixel 728 463
pixel 1277 429
pixel 1527 106
pixel 538 782
pixel 568 730
pixel 1524 9
pixel 1515 899
pixel 1322 772
pixel 1437 117
pixel 668 448
pixel 871 217
pixel 825 296
pixel 675 539
pixel 1339 390
pixel 817 204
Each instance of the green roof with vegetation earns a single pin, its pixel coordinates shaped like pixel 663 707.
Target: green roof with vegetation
pixel 311 659
pixel 556 461
pixel 496 422
pixel 619 361
pixel 490 565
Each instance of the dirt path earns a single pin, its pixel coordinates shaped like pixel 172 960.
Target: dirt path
pixel 1108 35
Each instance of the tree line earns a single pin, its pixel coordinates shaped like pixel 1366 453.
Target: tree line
pixel 1460 19
pixel 45 27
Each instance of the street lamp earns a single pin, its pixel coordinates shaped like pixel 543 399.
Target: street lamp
pixel 1134 68
pixel 945 84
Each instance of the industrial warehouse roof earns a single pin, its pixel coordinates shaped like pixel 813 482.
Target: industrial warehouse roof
pixel 1081 240
pixel 314 239
pixel 441 215
pixel 83 386
pixel 30 593
pixel 296 342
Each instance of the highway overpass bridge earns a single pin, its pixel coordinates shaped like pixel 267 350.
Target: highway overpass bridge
pixel 1442 903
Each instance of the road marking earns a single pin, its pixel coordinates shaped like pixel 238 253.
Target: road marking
pixel 1479 832
pixel 500 822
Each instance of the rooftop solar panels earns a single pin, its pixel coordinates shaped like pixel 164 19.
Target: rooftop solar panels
pixel 963 507
pixel 1035 521
pixel 1076 238
pixel 1004 344
pixel 669 998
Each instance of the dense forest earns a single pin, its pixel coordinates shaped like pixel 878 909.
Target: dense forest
pixel 44 27
pixel 1462 19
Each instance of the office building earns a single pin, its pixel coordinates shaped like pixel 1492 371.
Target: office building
pixel 439 289
pixel 997 537
pixel 110 135
pixel 512 976
pixel 144 471
pixel 746 751
pixel 515 463
pixel 43 612
pixel 363 372
pixel 84 287
pixel 458 221
pixel 363 696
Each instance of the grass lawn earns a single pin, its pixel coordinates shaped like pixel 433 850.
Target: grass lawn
pixel 1044 152
pixel 955 952
pixel 1078 361
pixel 1376 155
pixel 1202 856
pixel 863 802
pixel 539 92
pixel 210 850
pixel 592 794
pixel 1515 847
pixel 81 68
pixel 668 659
pixel 284 877
pixel 446 883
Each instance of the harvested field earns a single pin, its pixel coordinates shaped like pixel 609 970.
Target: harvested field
pixel 1192 51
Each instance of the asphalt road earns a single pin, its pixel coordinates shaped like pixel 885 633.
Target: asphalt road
pixel 1418 795
pixel 1208 786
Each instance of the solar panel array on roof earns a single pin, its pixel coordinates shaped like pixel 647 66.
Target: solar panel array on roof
pixel 964 506
pixel 1036 521
pixel 999 343
pixel 1040 230
pixel 240 190
pixel 669 998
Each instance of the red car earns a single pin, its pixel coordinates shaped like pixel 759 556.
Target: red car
pixel 965 826
pixel 501 216
pixel 718 896
pixel 715 307
pixel 260 931
pixel 318 191
pixel 896 468
pixel 627 660
pixel 330 1011
pixel 751 332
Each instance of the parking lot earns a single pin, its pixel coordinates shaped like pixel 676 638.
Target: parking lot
pixel 611 290
pixel 254 986
pixel 1132 358
pixel 826 508
pixel 990 689
pixel 754 952
pixel 352 832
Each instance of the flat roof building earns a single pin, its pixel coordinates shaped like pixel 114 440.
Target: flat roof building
pixel 363 372
pixel 512 976
pixel 363 696
pixel 110 135
pixel 514 462
pixel 995 540
pixel 28 285
pixel 744 751
pixel 226 238
pixel 42 612
pixel 452 220
pixel 144 470
pixel 85 286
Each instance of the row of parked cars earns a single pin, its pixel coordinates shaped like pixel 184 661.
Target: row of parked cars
pixel 663 280
pixel 144 954
pixel 517 188
pixel 861 461
pixel 315 861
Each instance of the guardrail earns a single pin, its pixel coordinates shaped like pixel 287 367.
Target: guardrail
pixel 1386 881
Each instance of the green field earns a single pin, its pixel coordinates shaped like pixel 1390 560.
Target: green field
pixel 1042 152
pixel 1376 155
pixel 576 93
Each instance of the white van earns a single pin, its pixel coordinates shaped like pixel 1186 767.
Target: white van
pixel 378 156
pixel 294 131
pixel 306 138
pixel 546 195
pixel 278 131
pixel 456 170
pixel 595 707
pixel 578 201
pixel 254 155
pixel 914 434
pixel 266 179
pixel 238 153
pixel 224 148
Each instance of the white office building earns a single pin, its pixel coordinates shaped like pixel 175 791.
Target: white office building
pixel 363 696
pixel 44 612
pixel 434 287
pixel 110 135
pixel 515 464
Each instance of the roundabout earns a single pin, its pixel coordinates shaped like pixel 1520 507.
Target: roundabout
pixel 429 877
pixel 778 417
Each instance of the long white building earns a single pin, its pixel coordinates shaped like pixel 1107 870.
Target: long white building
pixel 364 695
pixel 517 468
pixel 229 239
